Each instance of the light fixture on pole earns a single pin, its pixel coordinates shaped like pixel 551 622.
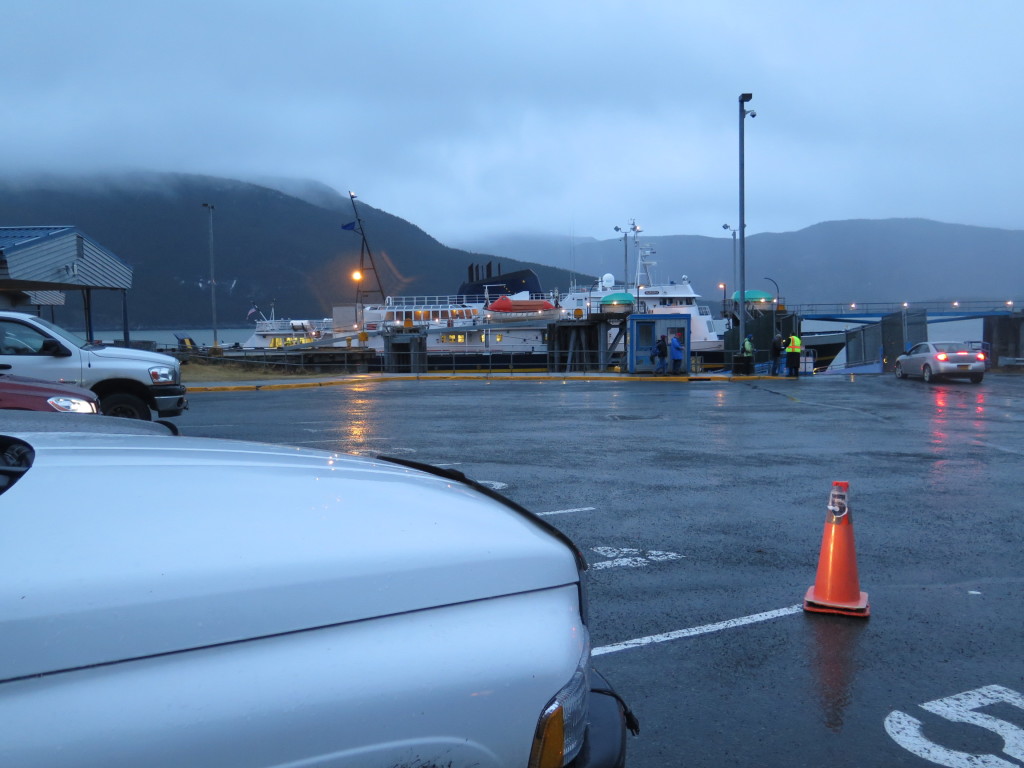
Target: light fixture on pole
pixel 213 279
pixel 634 228
pixel 775 306
pixel 357 277
pixel 744 99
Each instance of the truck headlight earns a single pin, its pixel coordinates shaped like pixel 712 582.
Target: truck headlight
pixel 71 405
pixel 563 724
pixel 163 374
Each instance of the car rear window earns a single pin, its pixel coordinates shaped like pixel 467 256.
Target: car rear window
pixel 951 348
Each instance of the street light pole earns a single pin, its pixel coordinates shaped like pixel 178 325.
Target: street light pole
pixel 744 98
pixel 775 306
pixel 213 279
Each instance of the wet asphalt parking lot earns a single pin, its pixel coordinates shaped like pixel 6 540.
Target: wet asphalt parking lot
pixel 701 507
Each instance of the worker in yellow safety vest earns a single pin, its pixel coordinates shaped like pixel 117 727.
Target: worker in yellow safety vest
pixel 794 348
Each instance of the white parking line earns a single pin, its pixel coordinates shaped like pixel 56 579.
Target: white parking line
pixel 693 631
pixel 564 511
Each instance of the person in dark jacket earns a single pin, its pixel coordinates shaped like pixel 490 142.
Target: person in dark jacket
pixel 776 353
pixel 661 356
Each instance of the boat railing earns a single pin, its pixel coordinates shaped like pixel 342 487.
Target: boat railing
pixel 451 300
pixel 284 325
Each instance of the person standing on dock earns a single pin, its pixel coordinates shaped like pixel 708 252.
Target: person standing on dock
pixel 794 348
pixel 677 353
pixel 776 353
pixel 661 356
pixel 747 355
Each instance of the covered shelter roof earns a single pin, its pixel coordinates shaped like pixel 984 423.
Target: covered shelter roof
pixel 37 264
pixel 57 258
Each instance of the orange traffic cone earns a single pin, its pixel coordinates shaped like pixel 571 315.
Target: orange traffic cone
pixel 837 588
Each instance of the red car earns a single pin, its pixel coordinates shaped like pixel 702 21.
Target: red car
pixel 20 393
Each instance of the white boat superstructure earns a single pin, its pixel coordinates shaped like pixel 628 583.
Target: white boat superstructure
pixel 274 334
pixel 454 311
pixel 646 296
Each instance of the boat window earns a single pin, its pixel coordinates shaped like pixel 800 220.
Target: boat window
pixel 498 337
pixel 483 338
pixel 444 314
pixel 389 316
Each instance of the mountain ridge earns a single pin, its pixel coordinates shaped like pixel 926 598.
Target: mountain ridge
pixel 282 242
pixel 852 260
pixel 269 247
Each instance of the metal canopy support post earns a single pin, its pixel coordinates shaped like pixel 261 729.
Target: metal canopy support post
pixel 87 307
pixel 124 316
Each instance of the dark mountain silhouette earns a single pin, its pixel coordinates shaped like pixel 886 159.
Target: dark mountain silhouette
pixel 289 250
pixel 838 261
pixel 281 242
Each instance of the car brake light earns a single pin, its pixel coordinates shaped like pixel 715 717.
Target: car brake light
pixel 981 356
pixel 942 356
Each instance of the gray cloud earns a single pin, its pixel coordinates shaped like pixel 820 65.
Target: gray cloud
pixel 468 117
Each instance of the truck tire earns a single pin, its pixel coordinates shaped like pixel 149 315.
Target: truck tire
pixel 125 406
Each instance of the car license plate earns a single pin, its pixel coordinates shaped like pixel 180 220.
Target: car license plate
pixel 964 367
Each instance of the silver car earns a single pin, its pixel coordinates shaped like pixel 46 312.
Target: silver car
pixel 932 360
pixel 175 601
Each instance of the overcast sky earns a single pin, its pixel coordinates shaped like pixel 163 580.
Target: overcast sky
pixel 540 116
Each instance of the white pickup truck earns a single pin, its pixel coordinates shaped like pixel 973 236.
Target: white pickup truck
pixel 284 607
pixel 129 382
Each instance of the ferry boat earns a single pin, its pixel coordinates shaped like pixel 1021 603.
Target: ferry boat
pixel 646 296
pixel 273 333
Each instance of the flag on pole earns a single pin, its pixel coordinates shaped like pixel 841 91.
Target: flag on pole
pixel 252 311
pixel 350 226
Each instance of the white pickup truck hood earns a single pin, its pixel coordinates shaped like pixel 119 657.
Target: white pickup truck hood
pixel 118 547
pixel 135 355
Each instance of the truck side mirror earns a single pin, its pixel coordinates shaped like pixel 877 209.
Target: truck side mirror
pixel 54 348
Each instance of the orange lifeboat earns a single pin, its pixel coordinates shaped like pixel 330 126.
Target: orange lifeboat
pixel 506 304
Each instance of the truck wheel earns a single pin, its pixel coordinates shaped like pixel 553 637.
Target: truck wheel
pixel 125 406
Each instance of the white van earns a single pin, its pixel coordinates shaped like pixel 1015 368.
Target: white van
pixel 128 382
pixel 283 607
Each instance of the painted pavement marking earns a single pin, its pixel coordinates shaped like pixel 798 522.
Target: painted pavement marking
pixel 908 731
pixel 627 557
pixel 565 511
pixel 702 630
